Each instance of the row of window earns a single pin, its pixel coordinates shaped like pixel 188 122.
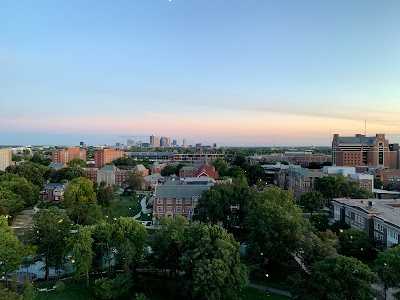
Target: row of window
pixel 171 201
pixel 178 209
pixel 378 227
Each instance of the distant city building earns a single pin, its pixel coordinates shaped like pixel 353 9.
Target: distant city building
pixel 106 155
pixel 185 143
pixel 360 150
pixel 174 143
pixel 164 142
pixel 154 141
pixel 199 145
pixel 5 158
pixel 215 145
pixel 82 144
pixel 66 155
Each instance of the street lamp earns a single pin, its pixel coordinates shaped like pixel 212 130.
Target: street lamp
pixel 266 276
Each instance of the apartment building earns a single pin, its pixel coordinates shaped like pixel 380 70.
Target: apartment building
pixel 379 218
pixel 5 158
pixel 373 151
pixel 106 155
pixel 66 155
pixel 389 177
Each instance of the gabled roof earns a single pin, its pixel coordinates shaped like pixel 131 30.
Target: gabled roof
pixel 51 186
pixel 140 167
pixel 109 168
pixel 153 177
pixel 180 191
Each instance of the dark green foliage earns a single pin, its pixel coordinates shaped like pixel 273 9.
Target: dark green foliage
pixel 106 288
pixel 387 266
pixel 312 201
pixel 335 278
pixel 33 172
pixel 11 250
pixel 320 221
pixel 356 243
pixel 20 186
pixel 40 159
pixel 67 174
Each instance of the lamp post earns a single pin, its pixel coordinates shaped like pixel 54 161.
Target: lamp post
pixel 266 276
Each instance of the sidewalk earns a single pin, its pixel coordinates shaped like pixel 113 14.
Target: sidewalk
pixel 270 289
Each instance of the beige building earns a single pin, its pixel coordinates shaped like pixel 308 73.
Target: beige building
pixel 5 158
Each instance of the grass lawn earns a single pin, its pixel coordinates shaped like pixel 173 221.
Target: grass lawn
pixel 123 206
pixel 72 290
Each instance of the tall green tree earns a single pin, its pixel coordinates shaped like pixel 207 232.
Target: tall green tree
pixel 270 222
pixel 40 159
pixel 387 266
pixel 356 243
pixel 312 201
pixel 52 228
pixel 32 172
pixel 221 166
pixel 10 203
pixel 129 240
pixel 20 186
pixel 79 246
pixel 81 203
pixel 211 263
pixel 77 163
pixel 335 278
pixel 10 249
pixel 169 243
pixel 133 182
pixel 67 174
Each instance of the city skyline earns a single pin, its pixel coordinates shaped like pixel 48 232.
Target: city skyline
pixel 235 73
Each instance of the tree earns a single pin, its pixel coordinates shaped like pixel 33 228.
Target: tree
pixel 129 240
pixel 239 160
pixel 77 163
pixel 81 203
pixel 102 235
pixel 256 172
pixel 67 174
pixel 79 246
pixel 105 195
pixel 335 278
pixel 220 166
pixel 33 172
pixel 169 243
pixel 211 263
pixel 52 228
pixel 314 249
pixel 387 266
pixel 312 201
pixel 106 288
pixel 10 249
pixel 378 184
pixel 133 181
pixel 40 159
pixel 20 186
pixel 320 221
pixel 168 170
pixel 235 172
pixel 356 243
pixel 10 203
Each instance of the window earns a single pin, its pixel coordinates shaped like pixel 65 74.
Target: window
pixel 169 208
pixel 169 201
pixel 179 209
pixel 178 201
pixel 188 201
pixel 347 213
pixel 160 201
pixel 160 209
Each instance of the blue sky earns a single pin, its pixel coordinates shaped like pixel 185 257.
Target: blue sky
pixel 232 72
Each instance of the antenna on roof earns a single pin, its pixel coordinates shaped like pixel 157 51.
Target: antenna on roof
pixel 365 127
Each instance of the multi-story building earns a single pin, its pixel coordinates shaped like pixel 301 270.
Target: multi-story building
pixel 66 155
pixel 379 218
pixel 5 158
pixel 154 141
pixel 390 178
pixel 185 143
pixel 179 197
pixel 360 150
pixel 301 180
pixel 53 192
pixel 198 171
pixel 106 155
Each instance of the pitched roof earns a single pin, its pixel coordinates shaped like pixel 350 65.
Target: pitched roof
pixel 109 168
pixel 180 191
pixel 50 186
pixel 56 166
pixel 140 167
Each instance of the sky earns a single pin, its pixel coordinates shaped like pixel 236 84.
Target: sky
pixel 231 72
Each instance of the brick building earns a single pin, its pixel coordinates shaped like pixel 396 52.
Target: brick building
pixel 106 155
pixel 66 155
pixel 179 196
pixel 360 150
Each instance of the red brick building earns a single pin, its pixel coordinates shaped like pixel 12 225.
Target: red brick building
pixel 66 155
pixel 198 171
pixel 106 155
pixel 364 151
